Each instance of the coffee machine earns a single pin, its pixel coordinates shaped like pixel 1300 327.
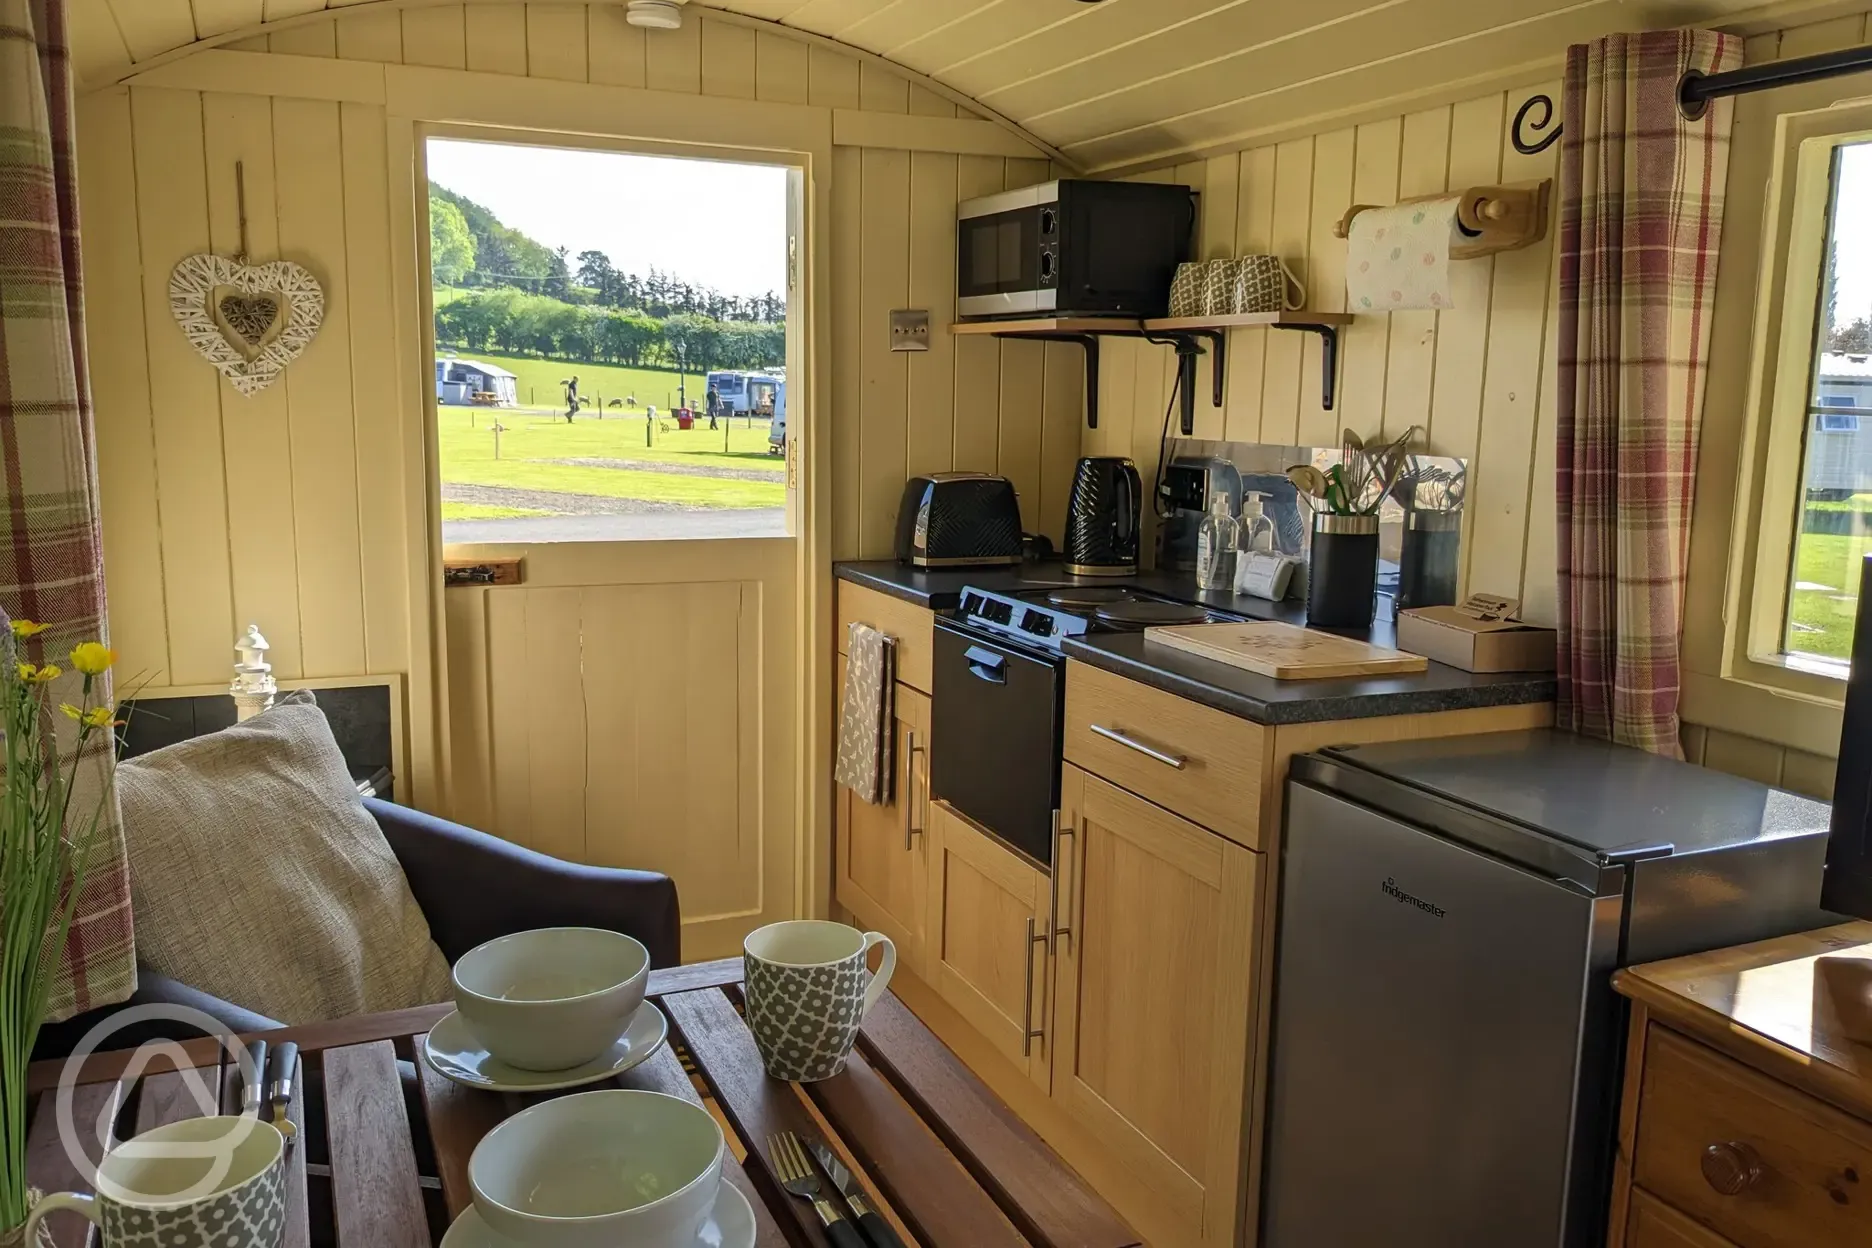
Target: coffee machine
pixel 1189 482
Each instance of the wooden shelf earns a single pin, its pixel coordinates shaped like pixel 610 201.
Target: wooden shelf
pixel 1244 320
pixel 1050 325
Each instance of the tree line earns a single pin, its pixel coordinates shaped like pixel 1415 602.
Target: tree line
pixel 524 298
pixel 469 246
pixel 517 323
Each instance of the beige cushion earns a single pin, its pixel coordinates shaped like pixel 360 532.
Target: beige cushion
pixel 257 875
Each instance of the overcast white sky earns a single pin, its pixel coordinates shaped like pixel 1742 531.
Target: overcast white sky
pixel 705 221
pixel 1853 232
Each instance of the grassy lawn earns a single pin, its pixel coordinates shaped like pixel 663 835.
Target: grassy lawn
pixel 538 382
pixel 483 511
pixel 529 443
pixel 1831 563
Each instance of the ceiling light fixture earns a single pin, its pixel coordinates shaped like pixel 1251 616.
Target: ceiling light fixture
pixel 654 14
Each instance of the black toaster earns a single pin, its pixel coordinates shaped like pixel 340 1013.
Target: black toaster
pixel 958 520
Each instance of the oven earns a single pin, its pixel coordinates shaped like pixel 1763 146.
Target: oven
pixel 997 724
pixel 1072 247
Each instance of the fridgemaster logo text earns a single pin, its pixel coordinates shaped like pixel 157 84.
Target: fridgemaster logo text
pixel 1397 894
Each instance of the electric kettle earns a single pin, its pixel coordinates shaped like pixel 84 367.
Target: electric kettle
pixel 1103 514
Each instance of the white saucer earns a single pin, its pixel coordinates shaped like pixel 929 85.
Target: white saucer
pixel 730 1224
pixel 452 1051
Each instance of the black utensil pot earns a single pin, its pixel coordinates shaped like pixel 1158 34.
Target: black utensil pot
pixel 1342 572
pixel 1427 567
pixel 1103 515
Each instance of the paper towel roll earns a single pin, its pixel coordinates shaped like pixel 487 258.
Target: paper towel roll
pixel 1399 257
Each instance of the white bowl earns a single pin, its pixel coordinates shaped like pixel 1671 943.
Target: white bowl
pixel 611 1169
pixel 554 998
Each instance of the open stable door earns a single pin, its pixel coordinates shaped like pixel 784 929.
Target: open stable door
pixel 631 702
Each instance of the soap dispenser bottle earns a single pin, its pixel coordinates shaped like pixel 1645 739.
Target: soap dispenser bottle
pixel 1216 543
pixel 1257 531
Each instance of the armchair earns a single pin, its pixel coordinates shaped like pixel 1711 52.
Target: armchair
pixel 471 887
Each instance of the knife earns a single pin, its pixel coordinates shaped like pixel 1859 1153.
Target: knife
pixel 281 1075
pixel 253 1086
pixel 876 1229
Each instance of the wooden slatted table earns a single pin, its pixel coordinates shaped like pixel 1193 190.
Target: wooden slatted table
pixel 384 1158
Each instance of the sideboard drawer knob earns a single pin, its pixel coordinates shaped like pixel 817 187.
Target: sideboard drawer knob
pixel 1731 1167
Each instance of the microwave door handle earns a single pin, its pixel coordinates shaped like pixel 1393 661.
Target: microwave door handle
pixel 987 665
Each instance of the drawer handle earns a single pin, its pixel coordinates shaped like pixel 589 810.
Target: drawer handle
pixel 1732 1167
pixel 1112 734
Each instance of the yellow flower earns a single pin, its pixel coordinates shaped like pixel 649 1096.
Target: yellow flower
pixel 39 675
pixel 101 717
pixel 93 658
pixel 26 628
pixel 69 711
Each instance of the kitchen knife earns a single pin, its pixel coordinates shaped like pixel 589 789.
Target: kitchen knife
pixel 253 1078
pixel 282 1073
pixel 876 1229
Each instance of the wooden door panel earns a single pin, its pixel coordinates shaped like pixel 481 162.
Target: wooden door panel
pixel 986 928
pixel 1156 998
pixel 1654 1224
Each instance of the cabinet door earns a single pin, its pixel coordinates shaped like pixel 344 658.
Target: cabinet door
pixel 1157 997
pixel 1654 1224
pixel 987 952
pixel 881 850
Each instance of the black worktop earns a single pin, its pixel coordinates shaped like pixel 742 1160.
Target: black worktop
pixel 1259 698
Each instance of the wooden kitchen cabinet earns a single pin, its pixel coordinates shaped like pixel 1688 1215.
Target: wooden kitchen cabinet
pixel 881 852
pixel 987 950
pixel 1157 997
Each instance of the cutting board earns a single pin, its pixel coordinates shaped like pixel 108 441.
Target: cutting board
pixel 1284 651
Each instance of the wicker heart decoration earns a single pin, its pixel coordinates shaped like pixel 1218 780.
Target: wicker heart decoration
pixel 256 297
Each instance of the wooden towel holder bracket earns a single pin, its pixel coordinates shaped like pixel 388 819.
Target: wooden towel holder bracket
pixel 1492 218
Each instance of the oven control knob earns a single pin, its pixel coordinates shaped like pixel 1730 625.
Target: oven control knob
pixel 1046 264
pixel 1049 222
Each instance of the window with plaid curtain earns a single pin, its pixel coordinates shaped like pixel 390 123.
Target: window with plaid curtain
pixel 1641 190
pixel 50 565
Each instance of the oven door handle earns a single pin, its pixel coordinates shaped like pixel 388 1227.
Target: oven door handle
pixel 987 665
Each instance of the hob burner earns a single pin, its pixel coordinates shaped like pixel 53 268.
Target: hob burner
pixel 1149 614
pixel 1089 597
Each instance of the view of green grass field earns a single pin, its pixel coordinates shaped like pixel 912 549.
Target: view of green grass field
pixel 538 381
pixel 1825 597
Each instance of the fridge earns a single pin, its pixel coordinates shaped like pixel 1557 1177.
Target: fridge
pixel 1446 1047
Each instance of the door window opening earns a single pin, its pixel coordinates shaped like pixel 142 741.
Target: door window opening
pixel 611 344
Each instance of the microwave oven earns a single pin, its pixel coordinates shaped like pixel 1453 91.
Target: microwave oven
pixel 1072 248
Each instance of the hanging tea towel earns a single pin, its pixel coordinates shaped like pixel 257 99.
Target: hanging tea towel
pixel 1399 257
pixel 867 715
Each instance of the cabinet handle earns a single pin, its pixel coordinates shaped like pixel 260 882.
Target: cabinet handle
pixel 911 828
pixel 1060 833
pixel 1112 734
pixel 1731 1167
pixel 1030 1033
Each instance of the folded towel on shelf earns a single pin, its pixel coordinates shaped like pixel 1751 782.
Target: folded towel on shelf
pixel 867 715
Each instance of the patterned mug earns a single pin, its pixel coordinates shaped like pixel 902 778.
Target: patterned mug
pixel 213 1182
pixel 808 986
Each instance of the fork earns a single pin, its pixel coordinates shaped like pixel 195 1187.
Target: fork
pixel 797 1177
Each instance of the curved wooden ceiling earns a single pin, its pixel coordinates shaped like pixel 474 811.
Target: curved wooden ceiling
pixel 1113 85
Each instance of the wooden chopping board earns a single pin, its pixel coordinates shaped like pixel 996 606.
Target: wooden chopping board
pixel 1284 651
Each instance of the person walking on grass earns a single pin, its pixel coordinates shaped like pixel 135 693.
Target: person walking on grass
pixel 572 397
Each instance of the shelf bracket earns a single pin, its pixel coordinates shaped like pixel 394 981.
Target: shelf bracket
pixel 1329 357
pixel 1091 344
pixel 1188 348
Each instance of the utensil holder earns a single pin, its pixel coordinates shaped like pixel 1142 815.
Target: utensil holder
pixel 1342 572
pixel 1428 565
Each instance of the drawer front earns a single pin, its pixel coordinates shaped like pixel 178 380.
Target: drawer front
pixel 1758 1162
pixel 1654 1224
pixel 1198 762
pixel 910 624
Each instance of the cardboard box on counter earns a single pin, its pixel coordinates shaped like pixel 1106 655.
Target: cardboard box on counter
pixel 1483 634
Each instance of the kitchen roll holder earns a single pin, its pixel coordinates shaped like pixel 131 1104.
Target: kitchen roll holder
pixel 1492 218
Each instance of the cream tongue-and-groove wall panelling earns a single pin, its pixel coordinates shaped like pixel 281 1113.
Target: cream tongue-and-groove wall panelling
pixel 1121 85
pixel 294 508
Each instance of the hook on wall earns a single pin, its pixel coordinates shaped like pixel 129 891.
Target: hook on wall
pixel 1545 122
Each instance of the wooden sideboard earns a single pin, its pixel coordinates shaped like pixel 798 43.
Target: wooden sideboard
pixel 1747 1114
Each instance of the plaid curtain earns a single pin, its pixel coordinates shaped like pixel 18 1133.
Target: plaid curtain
pixel 50 565
pixel 1641 191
